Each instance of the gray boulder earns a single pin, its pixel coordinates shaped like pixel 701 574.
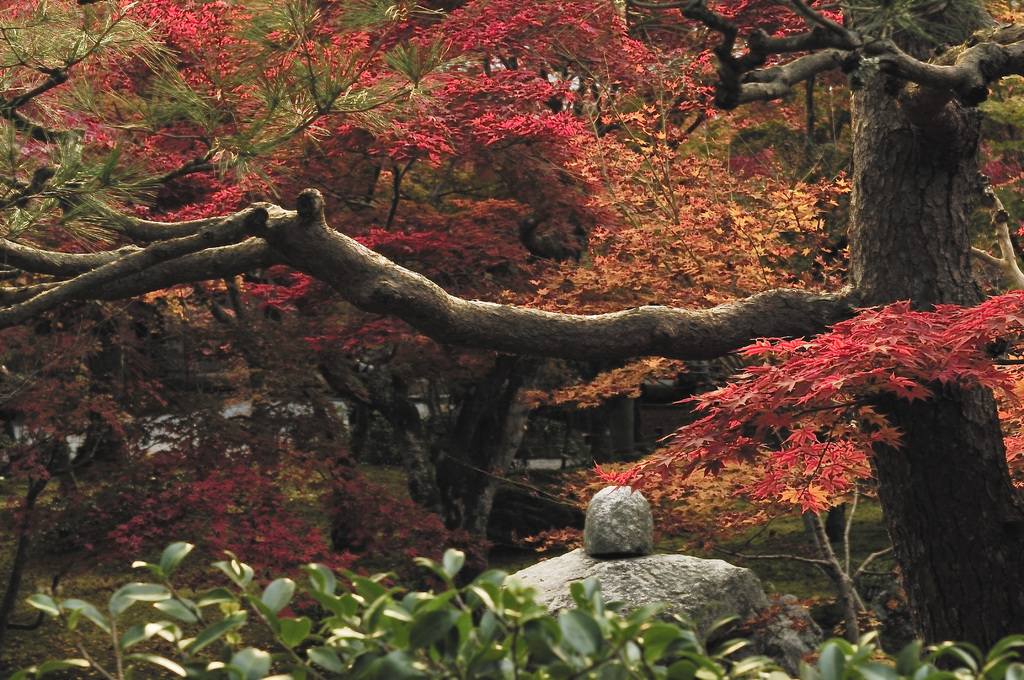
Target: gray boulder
pixel 618 523
pixel 701 590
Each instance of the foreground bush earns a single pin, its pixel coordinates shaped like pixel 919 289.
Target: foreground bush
pixel 491 628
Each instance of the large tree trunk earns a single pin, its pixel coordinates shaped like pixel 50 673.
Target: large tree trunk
pixel 955 520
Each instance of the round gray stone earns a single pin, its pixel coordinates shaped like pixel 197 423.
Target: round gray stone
pixel 619 523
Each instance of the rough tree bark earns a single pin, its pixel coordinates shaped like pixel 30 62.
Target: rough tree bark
pixel 955 520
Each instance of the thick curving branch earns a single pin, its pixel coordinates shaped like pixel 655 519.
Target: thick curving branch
pixel 212 263
pixel 375 284
pixel 54 263
pixel 966 71
pixel 775 83
pixel 221 262
pixel 148 230
pixel 266 234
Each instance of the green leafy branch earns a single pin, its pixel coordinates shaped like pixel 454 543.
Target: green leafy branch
pixel 492 627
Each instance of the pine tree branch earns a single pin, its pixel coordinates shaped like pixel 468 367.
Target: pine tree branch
pixel 776 82
pixel 201 164
pixel 53 263
pixel 302 240
pixel 150 230
pixel 375 284
pixel 965 72
pixel 9 107
pixel 23 191
pixel 133 262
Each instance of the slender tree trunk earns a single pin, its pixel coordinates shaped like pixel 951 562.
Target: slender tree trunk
pixel 849 601
pixel 956 523
pixel 383 391
pixel 487 436
pixel 19 560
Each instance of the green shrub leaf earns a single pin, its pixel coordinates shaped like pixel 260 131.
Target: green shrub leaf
pixel 44 603
pixel 656 639
pixel 216 630
pixel 541 637
pixel 682 670
pixel 400 665
pixel 278 594
pixel 50 666
pixel 251 663
pixel 240 574
pixel 321 578
pixel 368 589
pixel 580 632
pixel 158 660
pixel 1005 646
pixel 428 629
pixel 909 658
pixel 831 663
pixel 173 555
pixel 326 658
pixel 483 597
pixel 452 562
pixel 1015 671
pixel 129 594
pixel 145 631
pixel 216 596
pixel 178 610
pixel 79 608
pixel 294 631
pixel 964 653
pixel 877 671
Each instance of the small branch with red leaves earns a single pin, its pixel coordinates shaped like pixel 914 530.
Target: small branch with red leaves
pixel 793 413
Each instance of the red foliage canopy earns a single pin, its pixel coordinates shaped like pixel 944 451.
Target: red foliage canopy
pixel 806 415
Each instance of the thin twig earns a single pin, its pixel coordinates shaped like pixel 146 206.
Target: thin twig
pixel 795 558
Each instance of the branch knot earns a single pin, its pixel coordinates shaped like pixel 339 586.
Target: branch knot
pixel 310 206
pixel 256 220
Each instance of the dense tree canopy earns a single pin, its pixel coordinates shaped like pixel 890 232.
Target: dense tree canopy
pixel 548 150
